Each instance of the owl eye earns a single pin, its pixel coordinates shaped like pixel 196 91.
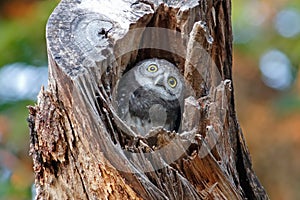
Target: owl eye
pixel 172 82
pixel 152 68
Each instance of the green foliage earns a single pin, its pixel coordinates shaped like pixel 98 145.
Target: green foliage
pixel 287 103
pixel 9 191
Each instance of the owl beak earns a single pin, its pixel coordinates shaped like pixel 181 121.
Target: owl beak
pixel 159 81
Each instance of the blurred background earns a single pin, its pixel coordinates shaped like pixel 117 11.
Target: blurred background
pixel 265 76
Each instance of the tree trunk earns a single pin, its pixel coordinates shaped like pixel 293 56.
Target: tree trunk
pixel 82 149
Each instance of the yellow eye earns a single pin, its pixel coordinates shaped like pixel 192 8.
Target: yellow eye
pixel 152 68
pixel 172 82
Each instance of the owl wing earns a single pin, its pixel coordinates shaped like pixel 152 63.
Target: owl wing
pixel 126 86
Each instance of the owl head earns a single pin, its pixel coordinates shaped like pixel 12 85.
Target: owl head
pixel 160 76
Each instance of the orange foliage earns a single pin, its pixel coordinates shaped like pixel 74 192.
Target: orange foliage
pixel 17 9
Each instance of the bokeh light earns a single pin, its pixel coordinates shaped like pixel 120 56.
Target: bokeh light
pixel 287 23
pixel 21 82
pixel 276 70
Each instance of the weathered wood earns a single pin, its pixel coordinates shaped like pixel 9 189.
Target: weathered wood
pixel 82 150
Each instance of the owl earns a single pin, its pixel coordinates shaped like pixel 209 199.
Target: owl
pixel 150 95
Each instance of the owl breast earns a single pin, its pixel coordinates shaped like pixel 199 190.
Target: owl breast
pixel 150 110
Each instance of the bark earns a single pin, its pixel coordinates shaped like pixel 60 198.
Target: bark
pixel 81 149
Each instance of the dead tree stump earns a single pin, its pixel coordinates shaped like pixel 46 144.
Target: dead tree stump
pixel 82 149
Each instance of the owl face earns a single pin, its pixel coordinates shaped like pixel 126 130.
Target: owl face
pixel 161 77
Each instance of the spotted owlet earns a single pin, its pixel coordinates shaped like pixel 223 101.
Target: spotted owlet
pixel 150 95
